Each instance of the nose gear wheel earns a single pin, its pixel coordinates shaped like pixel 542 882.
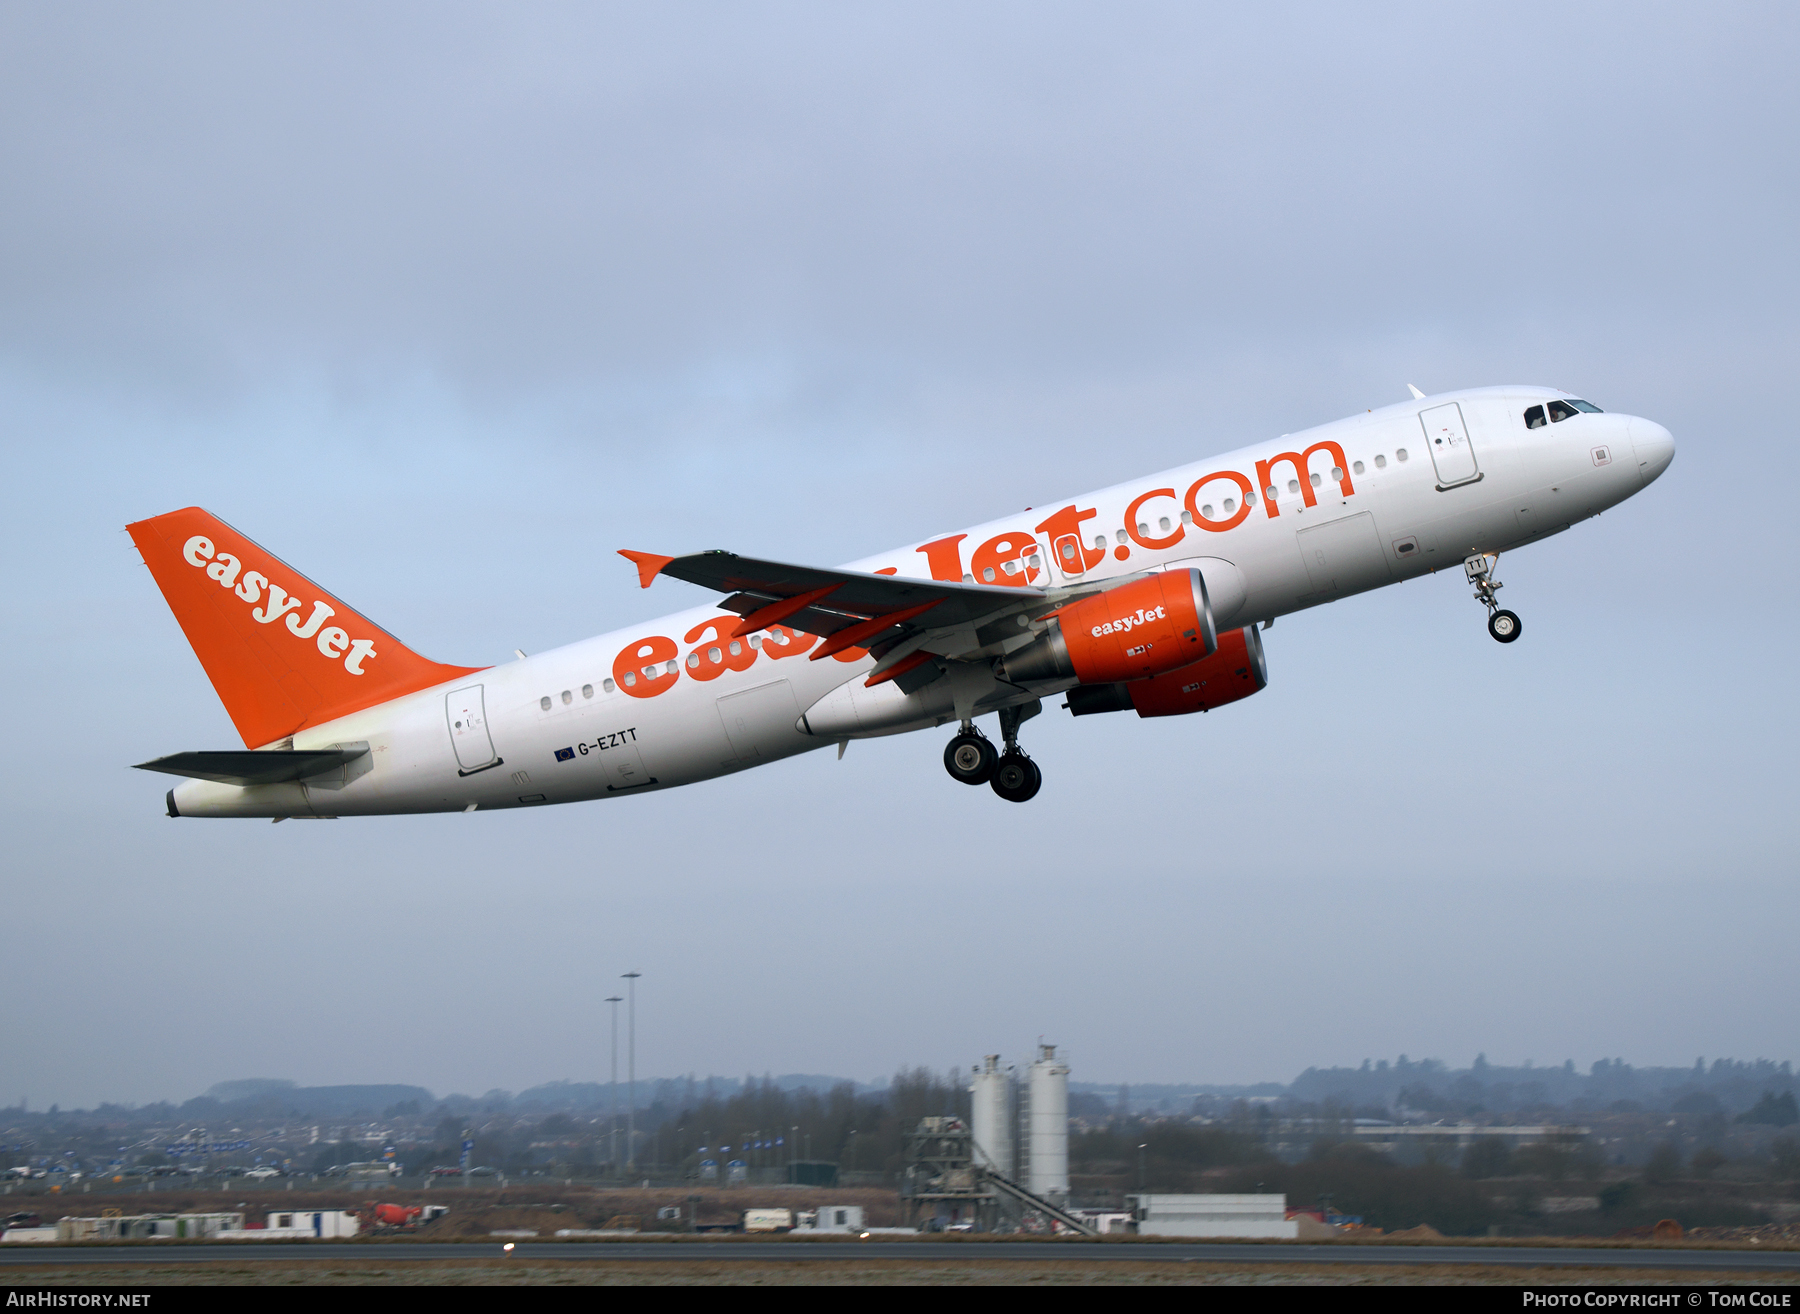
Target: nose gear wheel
pixel 1504 625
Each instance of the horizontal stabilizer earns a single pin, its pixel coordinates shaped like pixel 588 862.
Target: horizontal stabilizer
pixel 242 766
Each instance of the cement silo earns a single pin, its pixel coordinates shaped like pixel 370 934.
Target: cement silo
pixel 991 1116
pixel 1048 1144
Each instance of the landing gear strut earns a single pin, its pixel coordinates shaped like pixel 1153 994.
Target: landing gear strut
pixel 1017 778
pixel 1504 625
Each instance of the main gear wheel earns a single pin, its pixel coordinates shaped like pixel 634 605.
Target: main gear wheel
pixel 970 758
pixel 1017 778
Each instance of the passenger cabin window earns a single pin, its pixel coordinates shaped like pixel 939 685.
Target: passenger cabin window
pixel 1534 418
pixel 1560 411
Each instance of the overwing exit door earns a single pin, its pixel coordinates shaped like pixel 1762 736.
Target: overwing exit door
pixel 465 712
pixel 1447 438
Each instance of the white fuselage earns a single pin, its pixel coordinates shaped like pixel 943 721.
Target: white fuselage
pixel 558 727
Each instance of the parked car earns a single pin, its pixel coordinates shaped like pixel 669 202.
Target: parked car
pixel 263 1174
pixel 484 1172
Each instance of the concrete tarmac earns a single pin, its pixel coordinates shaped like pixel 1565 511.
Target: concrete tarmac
pixel 1747 1262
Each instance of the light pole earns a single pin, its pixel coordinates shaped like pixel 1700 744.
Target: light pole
pixel 1141 1149
pixel 631 1069
pixel 612 1090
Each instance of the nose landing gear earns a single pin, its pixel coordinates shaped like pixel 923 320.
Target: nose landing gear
pixel 1504 625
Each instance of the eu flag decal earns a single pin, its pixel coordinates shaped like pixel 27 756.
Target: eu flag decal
pixel 564 754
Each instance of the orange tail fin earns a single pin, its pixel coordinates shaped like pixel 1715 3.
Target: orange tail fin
pixel 282 653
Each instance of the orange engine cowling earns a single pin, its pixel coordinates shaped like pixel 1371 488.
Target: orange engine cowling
pixel 1237 670
pixel 1132 632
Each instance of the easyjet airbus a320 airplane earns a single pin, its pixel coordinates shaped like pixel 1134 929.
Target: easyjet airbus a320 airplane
pixel 1142 597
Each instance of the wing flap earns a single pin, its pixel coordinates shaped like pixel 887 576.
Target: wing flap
pixel 842 597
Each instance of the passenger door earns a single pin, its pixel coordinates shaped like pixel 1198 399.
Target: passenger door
pixel 1447 439
pixel 465 712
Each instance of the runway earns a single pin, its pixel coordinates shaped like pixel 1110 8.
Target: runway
pixel 1747 1262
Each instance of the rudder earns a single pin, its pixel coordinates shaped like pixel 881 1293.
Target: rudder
pixel 281 652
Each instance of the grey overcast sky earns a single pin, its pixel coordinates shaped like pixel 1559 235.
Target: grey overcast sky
pixel 445 303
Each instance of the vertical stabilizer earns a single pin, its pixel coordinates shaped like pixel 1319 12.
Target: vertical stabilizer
pixel 282 653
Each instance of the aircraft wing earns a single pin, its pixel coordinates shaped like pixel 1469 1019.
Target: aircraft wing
pixel 850 609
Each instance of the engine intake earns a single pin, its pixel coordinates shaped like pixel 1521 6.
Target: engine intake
pixel 1133 632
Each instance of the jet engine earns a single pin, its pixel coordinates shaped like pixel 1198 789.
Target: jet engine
pixel 1237 670
pixel 1135 631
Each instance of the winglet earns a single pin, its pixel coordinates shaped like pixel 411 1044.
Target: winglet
pixel 648 563
pixel 1417 395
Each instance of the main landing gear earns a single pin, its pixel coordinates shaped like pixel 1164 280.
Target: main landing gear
pixel 970 757
pixel 1504 625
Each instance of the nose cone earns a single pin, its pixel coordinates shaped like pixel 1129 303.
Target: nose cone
pixel 1655 447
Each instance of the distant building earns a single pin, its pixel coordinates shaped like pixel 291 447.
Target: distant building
pixel 1257 1216
pixel 1461 1135
pixel 311 1222
pixel 832 1218
pixel 139 1227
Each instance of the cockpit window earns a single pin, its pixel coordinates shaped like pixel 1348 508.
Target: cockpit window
pixel 1560 411
pixel 1588 407
pixel 1534 418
